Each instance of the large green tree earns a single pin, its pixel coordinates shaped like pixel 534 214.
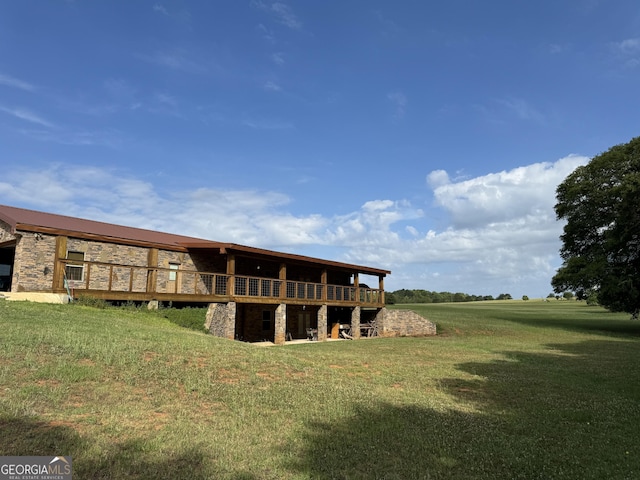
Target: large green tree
pixel 600 202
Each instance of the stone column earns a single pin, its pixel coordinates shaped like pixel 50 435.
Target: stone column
pixel 355 322
pixel 280 324
pixel 380 323
pixel 322 323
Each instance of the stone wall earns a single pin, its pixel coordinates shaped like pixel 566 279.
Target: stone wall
pixel 33 263
pixel 403 323
pixel 221 320
pixel 115 254
pixel 5 232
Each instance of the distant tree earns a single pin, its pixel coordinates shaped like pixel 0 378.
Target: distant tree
pixel 505 296
pixel 592 298
pixel 568 295
pixel 601 239
pixel 524 297
pixel 551 295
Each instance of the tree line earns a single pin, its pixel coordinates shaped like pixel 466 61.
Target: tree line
pixel 425 296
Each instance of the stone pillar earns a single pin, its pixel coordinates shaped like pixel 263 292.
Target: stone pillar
pixel 280 324
pixel 380 323
pixel 355 322
pixel 221 320
pixel 322 323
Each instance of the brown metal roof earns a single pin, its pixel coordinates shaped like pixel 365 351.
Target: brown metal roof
pixel 35 221
pixel 30 220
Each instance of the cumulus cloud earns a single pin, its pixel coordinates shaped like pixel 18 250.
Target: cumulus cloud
pixel 503 196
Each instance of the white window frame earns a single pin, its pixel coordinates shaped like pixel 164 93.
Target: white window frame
pixel 76 256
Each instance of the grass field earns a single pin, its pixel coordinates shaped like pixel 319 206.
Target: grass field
pixel 547 390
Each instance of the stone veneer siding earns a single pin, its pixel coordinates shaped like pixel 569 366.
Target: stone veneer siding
pixel 355 322
pixel 33 263
pixel 322 323
pixel 403 323
pixel 121 255
pixel 221 320
pixel 35 258
pixel 5 232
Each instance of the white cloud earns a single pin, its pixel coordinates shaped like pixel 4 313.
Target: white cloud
pixel 165 99
pixel 103 138
pixel 160 9
pixel 266 33
pixel 438 178
pixel 27 115
pixel 522 109
pixel 399 101
pixel 281 12
pixel 16 83
pixel 629 46
pixel 175 59
pixel 504 196
pixel 267 124
pixel 502 238
pixel 278 58
pixel 272 86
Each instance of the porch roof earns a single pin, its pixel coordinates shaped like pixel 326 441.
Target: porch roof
pixel 20 219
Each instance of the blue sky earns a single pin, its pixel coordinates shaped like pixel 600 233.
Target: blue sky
pixel 422 137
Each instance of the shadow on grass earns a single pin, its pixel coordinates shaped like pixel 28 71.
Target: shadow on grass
pixel 570 413
pixel 127 459
pixel 596 322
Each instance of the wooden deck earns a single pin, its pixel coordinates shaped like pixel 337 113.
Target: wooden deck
pixel 137 283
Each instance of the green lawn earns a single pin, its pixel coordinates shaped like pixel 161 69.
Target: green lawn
pixel 534 389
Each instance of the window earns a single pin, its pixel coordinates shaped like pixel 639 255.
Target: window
pixel 173 273
pixel 266 320
pixel 75 271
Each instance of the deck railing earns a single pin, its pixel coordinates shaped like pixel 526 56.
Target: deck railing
pixel 113 278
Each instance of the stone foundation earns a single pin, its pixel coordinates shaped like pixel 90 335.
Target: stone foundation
pixel 403 323
pixel 221 320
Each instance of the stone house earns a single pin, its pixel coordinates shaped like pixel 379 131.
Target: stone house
pixel 253 294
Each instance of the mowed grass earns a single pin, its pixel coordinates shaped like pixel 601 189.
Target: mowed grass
pixel 527 390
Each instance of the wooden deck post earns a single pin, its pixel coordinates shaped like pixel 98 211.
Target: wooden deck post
pixel 381 287
pixel 323 280
pixel 152 272
pixel 231 272
pixel 356 284
pixel 282 276
pixel 58 266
